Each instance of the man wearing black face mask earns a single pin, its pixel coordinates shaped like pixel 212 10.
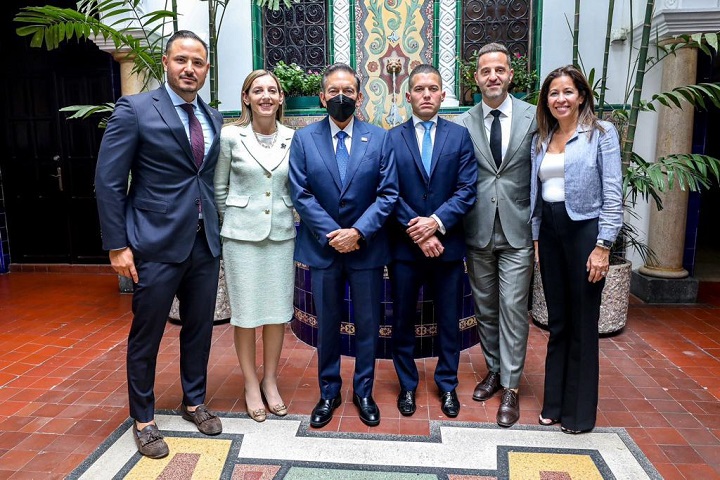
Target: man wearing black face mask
pixel 344 186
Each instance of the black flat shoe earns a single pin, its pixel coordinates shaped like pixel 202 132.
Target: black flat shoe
pixel 368 410
pixel 323 411
pixel 406 402
pixel 449 403
pixel 573 432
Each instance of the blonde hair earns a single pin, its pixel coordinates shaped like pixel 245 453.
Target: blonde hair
pixel 246 113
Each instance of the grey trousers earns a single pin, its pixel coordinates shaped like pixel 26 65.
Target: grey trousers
pixel 500 279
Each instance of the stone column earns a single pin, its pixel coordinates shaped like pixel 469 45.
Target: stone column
pixel 666 233
pixel 130 82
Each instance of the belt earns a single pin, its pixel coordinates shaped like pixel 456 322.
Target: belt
pixel 201 225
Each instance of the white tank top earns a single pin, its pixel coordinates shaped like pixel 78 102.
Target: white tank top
pixel 552 176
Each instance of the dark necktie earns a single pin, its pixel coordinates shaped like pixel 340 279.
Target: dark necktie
pixel 427 146
pixel 342 156
pixel 197 141
pixel 496 138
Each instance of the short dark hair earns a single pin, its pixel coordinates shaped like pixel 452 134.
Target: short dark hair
pixel 185 34
pixel 423 68
pixel 493 47
pixel 340 67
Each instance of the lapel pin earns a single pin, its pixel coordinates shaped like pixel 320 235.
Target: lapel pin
pixel 282 145
pixel 363 139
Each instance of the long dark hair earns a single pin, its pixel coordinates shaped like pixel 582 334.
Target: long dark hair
pixel 586 116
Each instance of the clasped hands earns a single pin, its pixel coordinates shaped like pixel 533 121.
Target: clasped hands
pixel 344 240
pixel 422 231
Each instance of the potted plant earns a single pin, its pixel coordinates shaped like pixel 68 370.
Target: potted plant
pixel 301 88
pixel 524 77
pixel 467 77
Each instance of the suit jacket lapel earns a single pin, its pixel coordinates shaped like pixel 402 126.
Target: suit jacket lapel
pixel 263 155
pixel 520 123
pixel 476 126
pixel 441 134
pixel 324 144
pixel 410 137
pixel 360 140
pixel 166 109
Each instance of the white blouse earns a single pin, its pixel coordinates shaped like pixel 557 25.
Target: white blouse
pixel 552 176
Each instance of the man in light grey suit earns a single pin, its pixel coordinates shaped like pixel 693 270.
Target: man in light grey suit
pixel 497 233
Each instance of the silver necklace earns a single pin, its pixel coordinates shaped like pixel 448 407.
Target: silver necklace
pixel 266 141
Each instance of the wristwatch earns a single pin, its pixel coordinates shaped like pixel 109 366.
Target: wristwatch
pixel 606 244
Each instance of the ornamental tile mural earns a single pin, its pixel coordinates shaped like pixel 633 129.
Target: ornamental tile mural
pixel 392 37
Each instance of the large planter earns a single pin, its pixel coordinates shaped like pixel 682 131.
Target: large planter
pixel 222 303
pixel 613 306
pixel 304 102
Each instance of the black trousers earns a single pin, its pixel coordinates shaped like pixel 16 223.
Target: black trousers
pixel 572 366
pixel 194 281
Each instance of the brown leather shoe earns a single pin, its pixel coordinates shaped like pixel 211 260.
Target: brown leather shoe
pixel 206 421
pixel 509 410
pixel 150 442
pixel 488 387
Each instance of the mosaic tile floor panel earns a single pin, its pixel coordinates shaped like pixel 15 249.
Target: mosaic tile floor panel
pixel 288 449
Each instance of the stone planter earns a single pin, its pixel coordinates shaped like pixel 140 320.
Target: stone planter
pixel 222 303
pixel 613 306
pixel 302 102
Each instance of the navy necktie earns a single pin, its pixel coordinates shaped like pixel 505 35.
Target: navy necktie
pixel 197 140
pixel 427 146
pixel 342 156
pixel 496 138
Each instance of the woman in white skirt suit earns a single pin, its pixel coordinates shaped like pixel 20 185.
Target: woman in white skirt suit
pixel 258 234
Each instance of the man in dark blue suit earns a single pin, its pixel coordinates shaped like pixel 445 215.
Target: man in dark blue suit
pixel 344 186
pixel 436 176
pixel 163 230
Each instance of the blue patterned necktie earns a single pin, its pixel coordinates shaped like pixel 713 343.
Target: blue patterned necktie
pixel 342 156
pixel 427 146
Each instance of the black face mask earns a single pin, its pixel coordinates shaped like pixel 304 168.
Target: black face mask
pixel 340 107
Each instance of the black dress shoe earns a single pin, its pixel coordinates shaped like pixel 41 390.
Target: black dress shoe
pixel 449 403
pixel 487 387
pixel 509 410
pixel 323 411
pixel 406 402
pixel 368 410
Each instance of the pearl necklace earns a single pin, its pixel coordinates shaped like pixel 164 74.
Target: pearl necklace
pixel 266 141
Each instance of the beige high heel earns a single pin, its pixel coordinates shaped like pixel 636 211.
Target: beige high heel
pixel 258 415
pixel 279 409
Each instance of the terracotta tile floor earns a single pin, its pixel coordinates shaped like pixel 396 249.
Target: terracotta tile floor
pixel 62 378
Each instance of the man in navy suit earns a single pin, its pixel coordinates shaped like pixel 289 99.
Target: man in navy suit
pixel 437 175
pixel 163 230
pixel 344 186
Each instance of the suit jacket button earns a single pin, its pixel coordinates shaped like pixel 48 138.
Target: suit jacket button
pixel 268 174
pixel 267 212
pixel 424 196
pixel 342 204
pixel 492 199
pixel 197 201
pixel 497 176
pixel 267 194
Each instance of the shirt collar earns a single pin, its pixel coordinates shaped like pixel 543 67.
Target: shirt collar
pixel 177 100
pixel 505 107
pixel 417 120
pixel 334 129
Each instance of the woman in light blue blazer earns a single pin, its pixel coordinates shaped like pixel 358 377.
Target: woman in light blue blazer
pixel 258 234
pixel 577 212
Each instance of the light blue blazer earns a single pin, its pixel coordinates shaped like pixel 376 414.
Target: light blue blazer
pixel 593 180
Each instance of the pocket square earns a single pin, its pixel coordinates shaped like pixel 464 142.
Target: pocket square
pixel 363 139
